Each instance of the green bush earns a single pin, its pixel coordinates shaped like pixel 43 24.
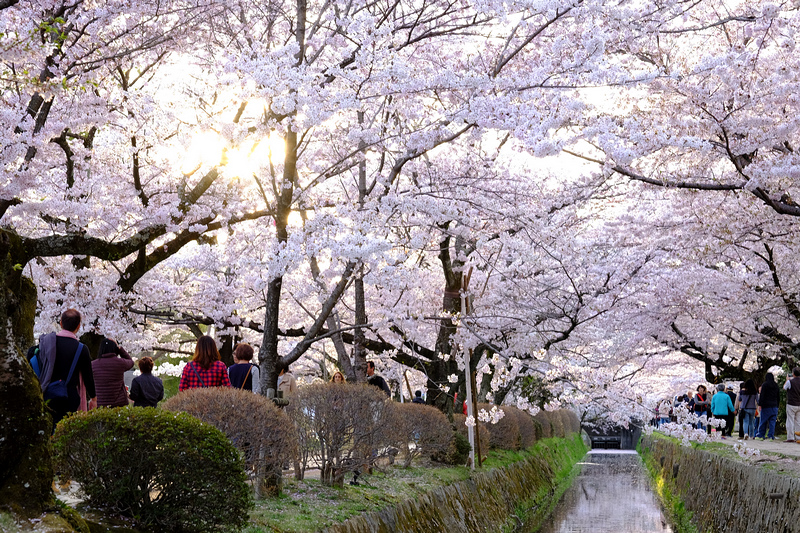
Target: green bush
pixel 168 471
pixel 485 437
pixel 457 452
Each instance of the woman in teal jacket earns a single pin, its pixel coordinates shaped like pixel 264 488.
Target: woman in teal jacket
pixel 721 404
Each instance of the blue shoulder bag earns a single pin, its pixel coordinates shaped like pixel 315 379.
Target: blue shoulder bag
pixel 57 390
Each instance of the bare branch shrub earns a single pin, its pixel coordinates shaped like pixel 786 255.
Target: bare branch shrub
pixel 421 430
pixel 256 427
pixel 346 426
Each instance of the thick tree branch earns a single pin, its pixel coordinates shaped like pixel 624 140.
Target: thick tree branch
pixel 326 310
pixel 782 205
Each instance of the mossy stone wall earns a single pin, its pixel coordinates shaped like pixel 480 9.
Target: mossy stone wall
pixel 486 502
pixel 724 495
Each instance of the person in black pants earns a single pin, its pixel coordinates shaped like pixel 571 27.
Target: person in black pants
pixel 730 420
pixel 740 412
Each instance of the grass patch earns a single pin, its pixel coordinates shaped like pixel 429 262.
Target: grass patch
pixel 668 494
pixel 7 523
pixel 308 506
pixel 171 384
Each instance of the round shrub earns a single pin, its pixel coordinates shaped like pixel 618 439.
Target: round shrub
pixel 168 471
pixel 527 428
pixel 574 423
pixel 257 428
pixel 505 434
pixel 557 420
pixel 421 430
pixel 543 417
pixel 460 422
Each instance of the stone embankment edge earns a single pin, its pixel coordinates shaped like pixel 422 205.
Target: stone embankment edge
pixel 488 501
pixel 722 494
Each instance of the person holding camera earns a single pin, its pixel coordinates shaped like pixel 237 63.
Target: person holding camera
pixel 109 370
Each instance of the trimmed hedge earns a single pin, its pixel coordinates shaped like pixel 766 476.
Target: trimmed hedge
pixel 168 471
pixel 421 430
pixel 518 429
pixel 261 431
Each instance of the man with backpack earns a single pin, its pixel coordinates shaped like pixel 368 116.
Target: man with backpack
pixel 60 364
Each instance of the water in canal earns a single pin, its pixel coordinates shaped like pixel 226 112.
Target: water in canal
pixel 611 494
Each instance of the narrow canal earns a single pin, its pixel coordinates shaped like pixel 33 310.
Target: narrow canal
pixel 611 494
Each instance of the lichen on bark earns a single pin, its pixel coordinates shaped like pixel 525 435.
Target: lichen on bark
pixel 26 472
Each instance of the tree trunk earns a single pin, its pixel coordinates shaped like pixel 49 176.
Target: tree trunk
pixel 440 393
pixel 359 336
pixel 26 471
pixel 226 352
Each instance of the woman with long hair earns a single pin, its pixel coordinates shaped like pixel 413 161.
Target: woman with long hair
pixel 205 369
pixel 768 399
pixel 337 377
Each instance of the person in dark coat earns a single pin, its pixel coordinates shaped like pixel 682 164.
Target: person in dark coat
pixel 376 380
pixel 792 388
pixel 768 403
pixel 243 373
pixel 109 374
pixel 730 420
pixel 146 390
pixel 418 397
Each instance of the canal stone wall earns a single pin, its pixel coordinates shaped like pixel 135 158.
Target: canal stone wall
pixel 725 495
pixel 484 503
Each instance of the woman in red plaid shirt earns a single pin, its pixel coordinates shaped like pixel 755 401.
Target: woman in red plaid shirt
pixel 205 369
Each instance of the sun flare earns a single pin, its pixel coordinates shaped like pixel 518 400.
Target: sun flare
pixel 208 148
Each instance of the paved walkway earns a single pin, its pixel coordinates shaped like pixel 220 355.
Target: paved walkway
pixel 779 445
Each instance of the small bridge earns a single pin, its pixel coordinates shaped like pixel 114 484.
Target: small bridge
pixel 614 438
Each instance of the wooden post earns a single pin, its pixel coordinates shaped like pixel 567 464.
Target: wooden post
pixel 473 380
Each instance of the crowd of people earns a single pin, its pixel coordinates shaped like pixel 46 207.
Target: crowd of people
pixel 754 408
pixel 71 381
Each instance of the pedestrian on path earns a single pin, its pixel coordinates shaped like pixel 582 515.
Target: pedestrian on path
pixel 768 402
pixel 792 387
pixel 701 405
pixel 721 406
pixel 109 374
pixel 747 403
pixel 730 420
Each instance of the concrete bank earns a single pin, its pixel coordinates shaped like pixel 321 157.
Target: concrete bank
pixel 513 497
pixel 725 495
